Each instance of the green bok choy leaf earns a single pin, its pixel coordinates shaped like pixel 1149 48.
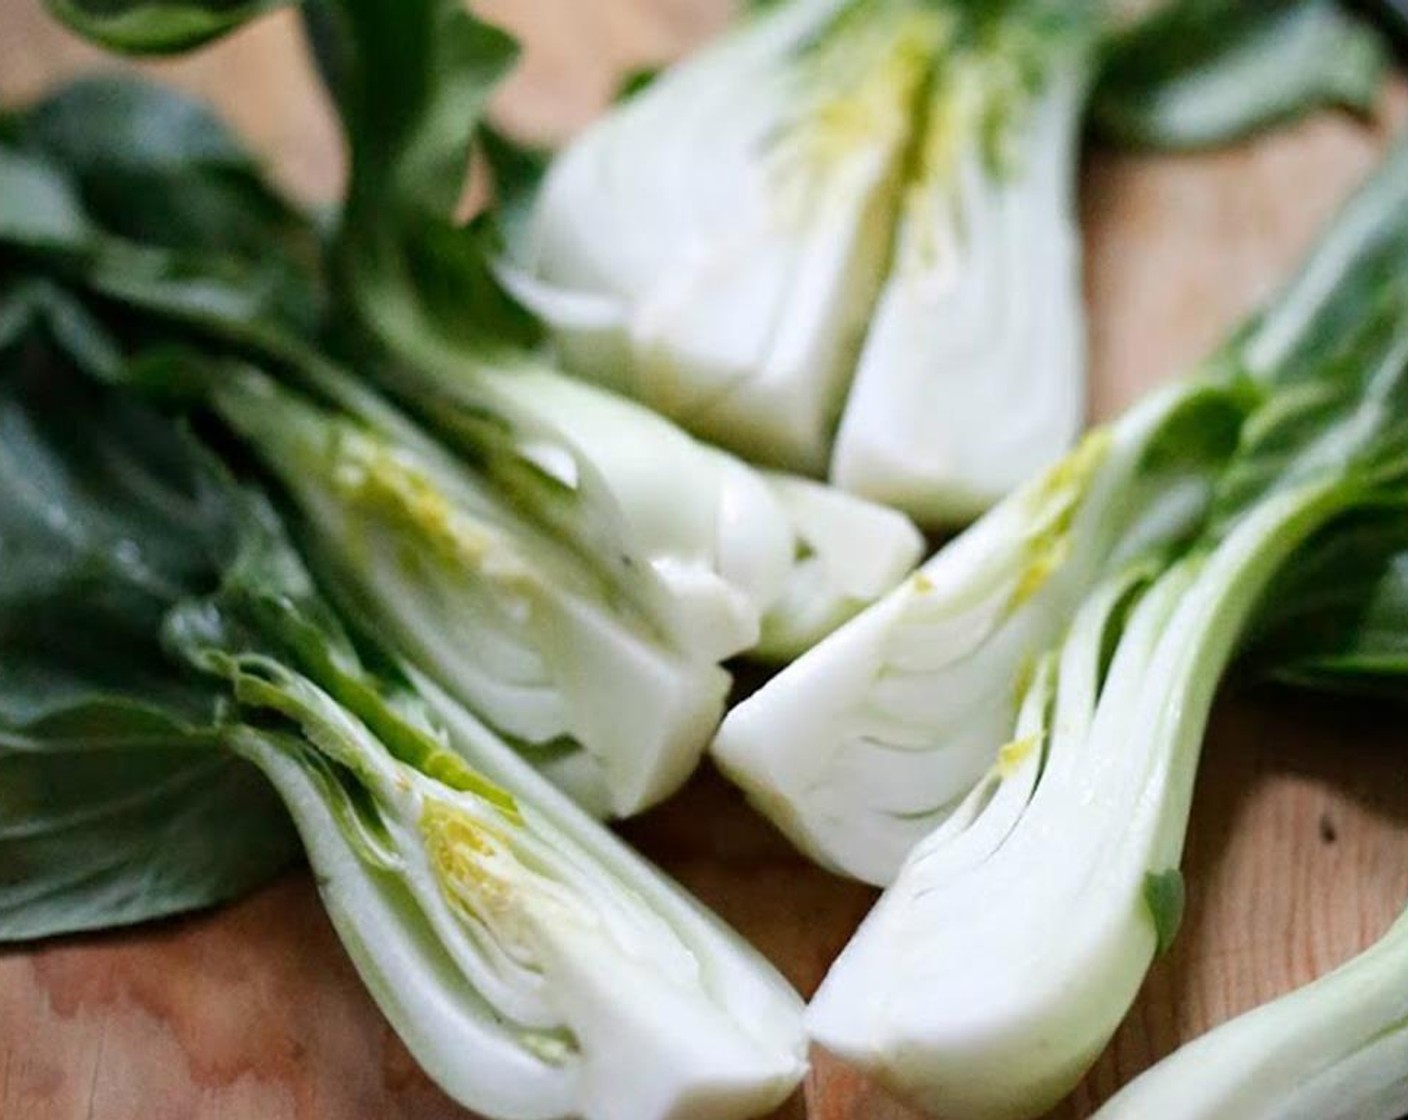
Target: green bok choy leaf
pixel 118 800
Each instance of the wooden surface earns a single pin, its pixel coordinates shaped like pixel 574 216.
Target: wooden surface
pixel 1298 849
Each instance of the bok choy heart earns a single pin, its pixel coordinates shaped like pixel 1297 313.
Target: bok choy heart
pixel 522 630
pixel 531 963
pixel 972 374
pixel 715 246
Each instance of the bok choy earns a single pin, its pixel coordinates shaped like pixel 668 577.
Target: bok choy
pixel 870 740
pixel 538 634
pixel 416 544
pixel 1336 1048
pixel 697 537
pixel 520 629
pixel 852 213
pixel 1014 938
pixel 840 239
pixel 532 964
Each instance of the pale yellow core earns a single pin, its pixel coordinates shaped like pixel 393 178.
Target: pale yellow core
pixel 386 483
pixel 1052 502
pixel 1010 756
pixel 862 84
pixel 469 860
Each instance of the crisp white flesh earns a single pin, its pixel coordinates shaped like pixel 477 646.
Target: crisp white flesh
pixel 986 995
pixel 972 377
pixel 1336 1049
pixel 866 743
pixel 847 554
pixel 534 966
pixel 707 543
pixel 840 212
pixel 714 247
pixel 500 612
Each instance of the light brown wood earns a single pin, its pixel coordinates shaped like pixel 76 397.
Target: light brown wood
pixel 1298 848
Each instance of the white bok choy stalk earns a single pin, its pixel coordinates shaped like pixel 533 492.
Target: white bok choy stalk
pixel 697 539
pixel 838 191
pixel 847 553
pixel 446 571
pixel 1336 1049
pixel 988 985
pixel 865 744
pixel 725 558
pixel 972 375
pixel 533 965
pixel 714 246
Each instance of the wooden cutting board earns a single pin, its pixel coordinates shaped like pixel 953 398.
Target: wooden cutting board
pixel 1298 848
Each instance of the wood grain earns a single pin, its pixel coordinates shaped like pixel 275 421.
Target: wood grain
pixel 1298 847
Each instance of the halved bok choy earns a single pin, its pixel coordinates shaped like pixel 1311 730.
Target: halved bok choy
pixel 1337 1048
pixel 844 212
pixel 701 540
pixel 533 965
pixel 1001 960
pixel 540 635
pixel 870 740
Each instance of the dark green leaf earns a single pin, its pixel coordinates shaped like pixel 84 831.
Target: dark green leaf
pixel 156 26
pixel 1338 620
pixel 109 832
pixel 117 801
pixel 157 168
pixel 412 82
pixel 1350 424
